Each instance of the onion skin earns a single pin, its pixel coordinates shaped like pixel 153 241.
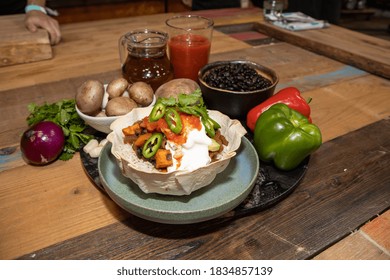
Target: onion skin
pixel 42 143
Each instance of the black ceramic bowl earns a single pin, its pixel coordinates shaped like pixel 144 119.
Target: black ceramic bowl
pixel 235 103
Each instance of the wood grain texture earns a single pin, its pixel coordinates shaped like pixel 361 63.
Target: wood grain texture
pixel 89 48
pixel 18 45
pixel 363 51
pixel 330 104
pixel 116 10
pixel 320 212
pixel 63 204
pixel 286 59
pixel 377 231
pixel 354 247
pixel 58 213
pixel 346 86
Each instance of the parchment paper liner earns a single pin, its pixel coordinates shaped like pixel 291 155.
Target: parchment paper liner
pixel 149 179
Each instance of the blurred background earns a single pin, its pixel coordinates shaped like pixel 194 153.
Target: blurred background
pixel 368 16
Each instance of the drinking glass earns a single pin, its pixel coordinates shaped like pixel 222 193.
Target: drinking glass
pixel 272 9
pixel 189 44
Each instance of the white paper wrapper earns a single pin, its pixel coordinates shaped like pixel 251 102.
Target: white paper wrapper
pixel 297 21
pixel 149 179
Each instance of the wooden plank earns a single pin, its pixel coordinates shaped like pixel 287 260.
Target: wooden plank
pixel 63 204
pixel 349 87
pixel 378 230
pixel 346 88
pixel 371 241
pixel 87 11
pixel 353 48
pixel 348 105
pixel 18 45
pixel 344 96
pixel 14 109
pixel 321 211
pixel 366 12
pixel 80 55
pixel 354 247
pixel 286 59
pixel 314 72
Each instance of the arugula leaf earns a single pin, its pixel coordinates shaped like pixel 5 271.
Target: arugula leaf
pixel 64 114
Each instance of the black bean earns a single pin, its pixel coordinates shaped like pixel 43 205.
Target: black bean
pixel 236 77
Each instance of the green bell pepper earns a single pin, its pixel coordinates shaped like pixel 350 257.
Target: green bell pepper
pixel 285 136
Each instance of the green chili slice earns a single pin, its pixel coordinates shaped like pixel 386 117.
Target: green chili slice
pixel 215 124
pixel 209 126
pixel 157 112
pixel 173 120
pixel 152 145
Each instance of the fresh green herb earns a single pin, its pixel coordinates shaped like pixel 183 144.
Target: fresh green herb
pixel 192 104
pixel 193 99
pixel 170 101
pixel 64 114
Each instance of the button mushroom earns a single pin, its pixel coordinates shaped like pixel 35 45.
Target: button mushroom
pixel 119 106
pixel 117 87
pixel 89 97
pixel 142 93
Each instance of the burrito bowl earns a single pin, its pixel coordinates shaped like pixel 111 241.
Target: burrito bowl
pixel 189 171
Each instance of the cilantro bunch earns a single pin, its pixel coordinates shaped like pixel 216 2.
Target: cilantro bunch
pixel 64 114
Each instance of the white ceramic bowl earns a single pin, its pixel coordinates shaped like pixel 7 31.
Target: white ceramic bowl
pixel 102 124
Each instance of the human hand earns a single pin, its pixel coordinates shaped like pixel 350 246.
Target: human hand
pixel 37 19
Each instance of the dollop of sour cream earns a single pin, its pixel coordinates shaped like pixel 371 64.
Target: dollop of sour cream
pixel 192 154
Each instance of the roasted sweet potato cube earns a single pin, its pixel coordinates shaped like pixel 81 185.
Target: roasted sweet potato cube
pixel 140 141
pixel 163 159
pixel 134 129
pixel 151 126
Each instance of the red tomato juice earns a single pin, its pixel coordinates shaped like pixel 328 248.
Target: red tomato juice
pixel 188 53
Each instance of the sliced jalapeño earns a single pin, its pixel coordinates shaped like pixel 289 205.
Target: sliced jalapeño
pixel 209 126
pixel 215 124
pixel 152 145
pixel 157 112
pixel 173 120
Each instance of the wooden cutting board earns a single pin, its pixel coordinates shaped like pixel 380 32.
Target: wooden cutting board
pixel 18 45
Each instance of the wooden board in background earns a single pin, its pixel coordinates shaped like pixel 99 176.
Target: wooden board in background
pixel 353 48
pixel 18 45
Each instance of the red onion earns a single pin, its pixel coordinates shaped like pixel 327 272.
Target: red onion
pixel 42 143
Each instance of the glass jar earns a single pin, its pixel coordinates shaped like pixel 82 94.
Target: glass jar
pixel 143 57
pixel 273 9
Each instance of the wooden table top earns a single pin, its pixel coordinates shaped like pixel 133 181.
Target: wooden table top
pixel 56 211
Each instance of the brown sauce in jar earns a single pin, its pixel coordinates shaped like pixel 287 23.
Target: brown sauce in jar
pixel 153 70
pixel 144 58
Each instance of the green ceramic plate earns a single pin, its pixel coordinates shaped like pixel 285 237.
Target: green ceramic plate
pixel 227 191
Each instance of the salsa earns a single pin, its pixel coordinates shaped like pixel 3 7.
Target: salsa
pixel 188 53
pixel 189 121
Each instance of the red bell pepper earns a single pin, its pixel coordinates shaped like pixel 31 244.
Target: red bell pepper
pixel 290 96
